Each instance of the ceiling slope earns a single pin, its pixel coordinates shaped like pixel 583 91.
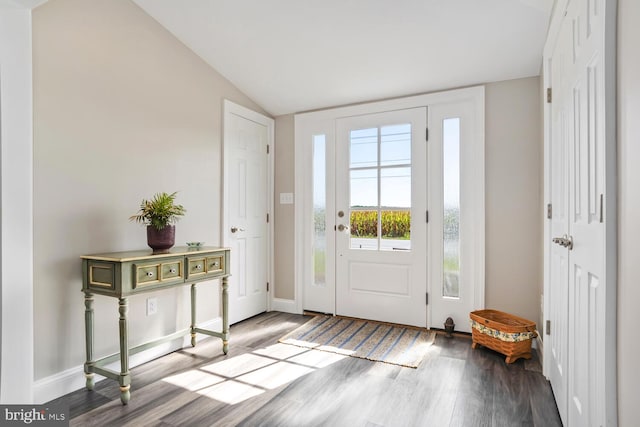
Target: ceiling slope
pixel 291 55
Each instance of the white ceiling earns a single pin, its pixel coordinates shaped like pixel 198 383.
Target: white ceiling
pixel 298 55
pixel 21 4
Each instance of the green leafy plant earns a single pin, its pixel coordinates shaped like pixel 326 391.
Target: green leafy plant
pixel 160 211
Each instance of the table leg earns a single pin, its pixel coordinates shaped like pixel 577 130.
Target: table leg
pixel 125 378
pixel 88 337
pixel 225 315
pixel 193 315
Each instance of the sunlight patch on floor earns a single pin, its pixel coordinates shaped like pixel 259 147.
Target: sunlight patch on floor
pixel 231 392
pixel 193 380
pixel 239 378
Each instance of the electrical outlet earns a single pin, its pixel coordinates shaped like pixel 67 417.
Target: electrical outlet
pixel 152 306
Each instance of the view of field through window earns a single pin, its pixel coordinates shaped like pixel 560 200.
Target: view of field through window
pixel 380 188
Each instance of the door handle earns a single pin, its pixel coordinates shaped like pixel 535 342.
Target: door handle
pixel 564 241
pixel 236 229
pixel 343 227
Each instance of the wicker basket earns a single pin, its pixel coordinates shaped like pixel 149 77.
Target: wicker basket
pixel 503 332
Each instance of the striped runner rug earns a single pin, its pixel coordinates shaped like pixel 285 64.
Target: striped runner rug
pixel 365 339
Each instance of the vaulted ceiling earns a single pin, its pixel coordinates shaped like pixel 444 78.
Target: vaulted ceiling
pixel 293 55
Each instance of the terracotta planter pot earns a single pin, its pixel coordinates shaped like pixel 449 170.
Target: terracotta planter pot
pixel 161 240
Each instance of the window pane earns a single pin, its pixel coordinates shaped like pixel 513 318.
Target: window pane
pixel 451 192
pixel 395 187
pixel 364 188
pixel 363 225
pixel 395 145
pixel 319 210
pixel 364 147
pixel 396 230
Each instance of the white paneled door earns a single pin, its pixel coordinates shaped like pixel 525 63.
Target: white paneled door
pixel 381 229
pixel 245 226
pixel 577 309
pixel 559 225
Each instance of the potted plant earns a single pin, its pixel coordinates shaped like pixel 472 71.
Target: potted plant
pixel 159 215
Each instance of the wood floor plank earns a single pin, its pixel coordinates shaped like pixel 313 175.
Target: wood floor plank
pixel 264 383
pixel 543 405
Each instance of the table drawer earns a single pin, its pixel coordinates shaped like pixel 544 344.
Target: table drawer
pixel 205 266
pixel 101 275
pixel 146 275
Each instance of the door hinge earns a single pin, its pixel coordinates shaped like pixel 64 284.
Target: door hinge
pixel 426 298
pixel 267 286
pixel 601 207
pixel 427 135
pixel 427 216
pixel 549 95
pixel 267 148
pixel 547 329
pixel 549 211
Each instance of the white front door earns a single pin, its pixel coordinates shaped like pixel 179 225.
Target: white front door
pixel 381 227
pixel 579 289
pixel 247 204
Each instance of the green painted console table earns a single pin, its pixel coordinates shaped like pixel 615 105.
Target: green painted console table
pixel 123 274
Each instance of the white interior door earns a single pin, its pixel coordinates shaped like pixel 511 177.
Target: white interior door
pixel 381 227
pixel 558 315
pixel 247 205
pixel 578 285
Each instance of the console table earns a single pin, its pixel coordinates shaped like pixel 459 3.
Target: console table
pixel 123 274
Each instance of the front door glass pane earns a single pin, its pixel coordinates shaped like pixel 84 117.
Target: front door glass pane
pixel 395 145
pixel 364 148
pixel 380 188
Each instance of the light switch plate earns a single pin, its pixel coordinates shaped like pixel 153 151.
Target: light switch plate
pixel 286 198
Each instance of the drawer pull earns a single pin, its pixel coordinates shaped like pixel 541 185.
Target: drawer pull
pixel 199 267
pixel 172 270
pixel 149 274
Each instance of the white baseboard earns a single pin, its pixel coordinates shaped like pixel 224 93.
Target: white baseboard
pixel 284 305
pixel 73 379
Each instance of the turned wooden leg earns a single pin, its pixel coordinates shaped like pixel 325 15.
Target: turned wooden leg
pixel 88 337
pixel 125 378
pixel 225 315
pixel 193 315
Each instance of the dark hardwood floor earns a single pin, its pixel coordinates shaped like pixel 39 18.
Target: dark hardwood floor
pixel 263 383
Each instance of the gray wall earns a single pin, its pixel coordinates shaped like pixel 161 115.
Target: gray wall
pixel 122 110
pixel 628 211
pixel 513 173
pixel 284 183
pixel 513 198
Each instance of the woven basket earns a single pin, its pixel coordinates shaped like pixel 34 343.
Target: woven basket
pixel 503 332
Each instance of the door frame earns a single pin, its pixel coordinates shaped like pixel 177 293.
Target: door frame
pixel 16 236
pixel 230 108
pixel 608 365
pixel 314 123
